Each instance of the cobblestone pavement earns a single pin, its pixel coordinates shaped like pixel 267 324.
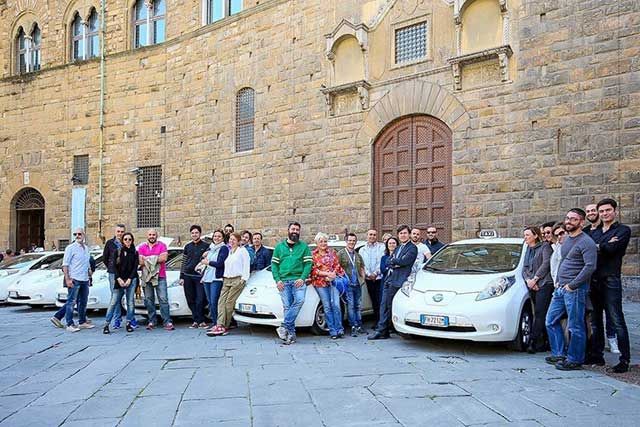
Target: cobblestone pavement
pixel 183 378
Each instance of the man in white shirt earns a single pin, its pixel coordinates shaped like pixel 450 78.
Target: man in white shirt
pixel 423 250
pixel 372 253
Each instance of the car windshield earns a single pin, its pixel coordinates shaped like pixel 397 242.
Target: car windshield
pixel 20 261
pixel 47 261
pixel 476 258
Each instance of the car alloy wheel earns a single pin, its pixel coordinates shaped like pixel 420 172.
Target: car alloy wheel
pixel 319 326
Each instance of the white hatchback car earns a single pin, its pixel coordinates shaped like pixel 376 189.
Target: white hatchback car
pixel 14 269
pixel 260 302
pixel 38 287
pixel 470 290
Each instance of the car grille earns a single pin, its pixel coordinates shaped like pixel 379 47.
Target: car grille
pixel 437 328
pixel 256 315
pixel 21 297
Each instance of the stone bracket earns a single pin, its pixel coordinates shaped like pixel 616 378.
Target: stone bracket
pixel 360 87
pixel 501 53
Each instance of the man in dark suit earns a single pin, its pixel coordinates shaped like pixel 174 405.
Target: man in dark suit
pixel 400 265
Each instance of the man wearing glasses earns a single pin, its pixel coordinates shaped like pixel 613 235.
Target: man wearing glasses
pixel 432 241
pixel 77 273
pixel 579 255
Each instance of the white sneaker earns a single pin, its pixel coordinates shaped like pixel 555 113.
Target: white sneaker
pixel 613 344
pixel 72 328
pixel 86 326
pixel 56 322
pixel 282 332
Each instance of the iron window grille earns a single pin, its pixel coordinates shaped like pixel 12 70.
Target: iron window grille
pixel 245 117
pixel 62 244
pixel 81 170
pixel 411 43
pixel 149 196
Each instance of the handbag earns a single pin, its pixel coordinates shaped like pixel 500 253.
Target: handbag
pixel 341 283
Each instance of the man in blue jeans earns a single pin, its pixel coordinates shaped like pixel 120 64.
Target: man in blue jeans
pixel 579 255
pixel 290 266
pixel 353 264
pixel 77 272
pixel 109 255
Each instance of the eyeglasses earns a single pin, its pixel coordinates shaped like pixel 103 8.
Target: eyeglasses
pixel 77 234
pixel 127 239
pixel 546 232
pixel 560 233
pixel 572 219
pixel 431 232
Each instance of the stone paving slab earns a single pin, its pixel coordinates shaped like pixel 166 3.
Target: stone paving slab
pixel 249 378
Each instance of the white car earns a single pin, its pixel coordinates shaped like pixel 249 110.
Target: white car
pixel 260 302
pixel 470 290
pixel 38 287
pixel 12 270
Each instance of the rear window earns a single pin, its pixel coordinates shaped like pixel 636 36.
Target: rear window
pixel 476 258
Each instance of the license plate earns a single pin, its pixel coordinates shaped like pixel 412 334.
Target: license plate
pixel 248 308
pixel 62 297
pixel 430 320
pixel 13 294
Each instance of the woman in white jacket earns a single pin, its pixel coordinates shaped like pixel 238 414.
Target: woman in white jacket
pixel 236 273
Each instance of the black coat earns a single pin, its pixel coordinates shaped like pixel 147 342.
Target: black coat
pixel 401 263
pixel 538 264
pixel 126 265
pixel 109 255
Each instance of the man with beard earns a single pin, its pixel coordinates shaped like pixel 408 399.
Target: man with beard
pixel 592 217
pixel 579 256
pixel 109 255
pixel 153 257
pixel 291 265
pixel 612 239
pixel 228 229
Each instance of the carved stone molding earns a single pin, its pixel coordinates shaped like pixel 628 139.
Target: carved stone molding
pixel 361 88
pixel 501 53
pixel 346 28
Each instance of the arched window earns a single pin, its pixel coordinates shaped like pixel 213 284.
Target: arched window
pixel 245 117
pixel 149 22
pixel 77 38
pixel 219 9
pixel 28 50
pixel 93 39
pixel 22 55
pixel 36 39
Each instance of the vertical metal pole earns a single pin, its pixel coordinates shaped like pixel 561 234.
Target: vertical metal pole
pixel 103 27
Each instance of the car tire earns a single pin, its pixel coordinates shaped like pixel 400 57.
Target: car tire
pixel 319 326
pixel 525 324
pixel 405 336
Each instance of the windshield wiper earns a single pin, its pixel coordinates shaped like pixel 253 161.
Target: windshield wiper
pixel 470 270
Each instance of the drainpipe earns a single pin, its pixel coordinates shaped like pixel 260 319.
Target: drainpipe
pixel 103 29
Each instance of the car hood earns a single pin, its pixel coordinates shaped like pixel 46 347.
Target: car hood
pixel 39 280
pixel 458 283
pixel 261 278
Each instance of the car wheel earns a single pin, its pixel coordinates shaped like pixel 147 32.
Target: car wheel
pixel 523 337
pixel 319 326
pixel 405 336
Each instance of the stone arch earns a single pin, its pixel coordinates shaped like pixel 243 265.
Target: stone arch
pixel 410 98
pixel 348 62
pixel 28 218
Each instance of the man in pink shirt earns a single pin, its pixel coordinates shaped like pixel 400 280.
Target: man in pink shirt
pixel 153 257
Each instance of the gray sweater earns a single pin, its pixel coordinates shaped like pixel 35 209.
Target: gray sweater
pixel 579 257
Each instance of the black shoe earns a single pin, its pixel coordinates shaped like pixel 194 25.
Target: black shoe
pixel 620 368
pixel 361 331
pixel 592 360
pixel 568 366
pixel 341 334
pixel 552 360
pixel 129 327
pixel 531 350
pixel 354 331
pixel 378 336
pixel 106 330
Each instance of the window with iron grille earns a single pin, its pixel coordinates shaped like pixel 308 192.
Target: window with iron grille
pixel 62 244
pixel 245 115
pixel 149 196
pixel 81 170
pixel 411 43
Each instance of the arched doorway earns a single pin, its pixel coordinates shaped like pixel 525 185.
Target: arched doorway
pixel 412 175
pixel 28 204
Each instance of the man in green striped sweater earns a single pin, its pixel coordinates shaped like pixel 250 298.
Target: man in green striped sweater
pixel 291 265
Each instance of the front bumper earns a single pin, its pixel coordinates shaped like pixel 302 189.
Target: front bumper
pixel 492 320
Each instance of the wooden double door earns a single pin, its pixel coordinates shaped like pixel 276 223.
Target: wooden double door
pixel 412 176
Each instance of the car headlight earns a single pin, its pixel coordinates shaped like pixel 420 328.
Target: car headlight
pixel 407 287
pixel 496 287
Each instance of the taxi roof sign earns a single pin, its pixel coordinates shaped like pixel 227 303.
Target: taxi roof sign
pixel 488 234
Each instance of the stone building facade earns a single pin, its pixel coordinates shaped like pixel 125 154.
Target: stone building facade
pixel 464 113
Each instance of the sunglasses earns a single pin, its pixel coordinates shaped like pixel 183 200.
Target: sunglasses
pixel 127 239
pixel 547 232
pixel 431 232
pixel 77 234
pixel 562 233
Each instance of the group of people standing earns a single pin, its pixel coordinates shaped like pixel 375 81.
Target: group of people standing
pixel 573 273
pixel 570 270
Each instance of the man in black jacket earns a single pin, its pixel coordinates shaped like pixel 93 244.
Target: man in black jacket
pixel 400 265
pixel 612 239
pixel 190 278
pixel 109 255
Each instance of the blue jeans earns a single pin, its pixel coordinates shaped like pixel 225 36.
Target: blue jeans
pixel 573 305
pixel 150 292
pixel 212 290
pixel 354 305
pixel 292 300
pixel 118 311
pixel 78 293
pixel 116 301
pixel 330 298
